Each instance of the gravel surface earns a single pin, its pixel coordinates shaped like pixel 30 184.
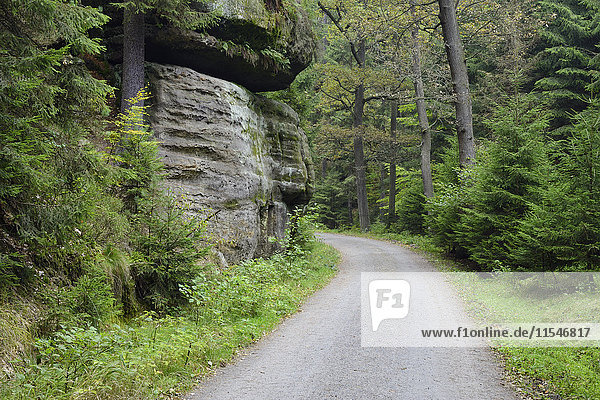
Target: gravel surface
pixel 317 353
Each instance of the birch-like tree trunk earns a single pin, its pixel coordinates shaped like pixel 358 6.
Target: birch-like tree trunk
pixel 421 106
pixel 460 82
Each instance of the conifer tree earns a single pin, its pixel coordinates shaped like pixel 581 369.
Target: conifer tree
pixel 563 231
pixel 48 99
pixel 180 13
pixel 508 178
pixel 568 44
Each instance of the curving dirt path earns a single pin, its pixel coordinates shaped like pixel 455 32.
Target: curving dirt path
pixel 317 353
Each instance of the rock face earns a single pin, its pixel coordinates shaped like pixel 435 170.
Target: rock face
pixel 239 157
pixel 259 44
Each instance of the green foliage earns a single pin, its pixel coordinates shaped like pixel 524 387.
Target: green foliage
pixel 571 202
pixel 243 291
pixel 444 210
pixel 508 178
pixel 564 68
pixel 167 248
pixel 187 14
pixel 478 212
pixel 47 100
pixel 444 213
pixel 156 357
pixel 410 202
pixel 167 242
pixel 331 199
pixel 45 89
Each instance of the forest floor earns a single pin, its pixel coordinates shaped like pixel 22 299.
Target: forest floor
pixel 317 353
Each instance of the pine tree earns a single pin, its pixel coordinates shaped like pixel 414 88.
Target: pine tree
pixel 48 99
pixel 508 178
pixel 563 231
pixel 568 44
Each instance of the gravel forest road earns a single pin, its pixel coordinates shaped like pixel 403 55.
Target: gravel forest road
pixel 317 353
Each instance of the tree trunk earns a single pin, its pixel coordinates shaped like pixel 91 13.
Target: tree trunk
pixel 349 205
pixel 421 106
pixel 392 182
pixel 323 168
pixel 460 82
pixel 361 182
pixel 382 185
pixel 133 56
pixel 359 155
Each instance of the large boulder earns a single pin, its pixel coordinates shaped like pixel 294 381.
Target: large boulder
pixel 260 45
pixel 239 159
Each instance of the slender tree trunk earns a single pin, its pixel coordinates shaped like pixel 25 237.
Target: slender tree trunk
pixel 460 82
pixel 392 181
pixel 133 56
pixel 361 182
pixel 359 154
pixel 382 188
pixel 349 205
pixel 421 106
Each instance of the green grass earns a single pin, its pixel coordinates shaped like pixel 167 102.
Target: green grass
pixel 571 372
pixel 161 358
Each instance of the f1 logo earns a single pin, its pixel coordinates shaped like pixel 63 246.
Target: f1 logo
pixel 388 299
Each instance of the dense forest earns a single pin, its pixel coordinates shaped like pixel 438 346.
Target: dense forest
pixel 496 162
pixel 472 124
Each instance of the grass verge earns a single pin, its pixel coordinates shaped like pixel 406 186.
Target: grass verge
pixel 154 357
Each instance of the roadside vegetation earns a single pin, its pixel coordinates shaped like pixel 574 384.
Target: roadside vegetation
pixel 107 287
pixel 156 355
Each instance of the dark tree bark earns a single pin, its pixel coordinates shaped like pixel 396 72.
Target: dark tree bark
pixel 382 176
pixel 349 205
pixel 133 56
pixel 460 82
pixel 392 180
pixel 361 182
pixel 421 106
pixel 323 168
pixel 359 154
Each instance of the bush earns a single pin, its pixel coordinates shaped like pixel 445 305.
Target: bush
pixel 444 213
pixel 445 208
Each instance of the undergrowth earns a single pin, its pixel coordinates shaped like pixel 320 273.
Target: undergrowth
pixel 154 356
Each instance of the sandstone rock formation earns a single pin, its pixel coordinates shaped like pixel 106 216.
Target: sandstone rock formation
pixel 237 156
pixel 259 47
